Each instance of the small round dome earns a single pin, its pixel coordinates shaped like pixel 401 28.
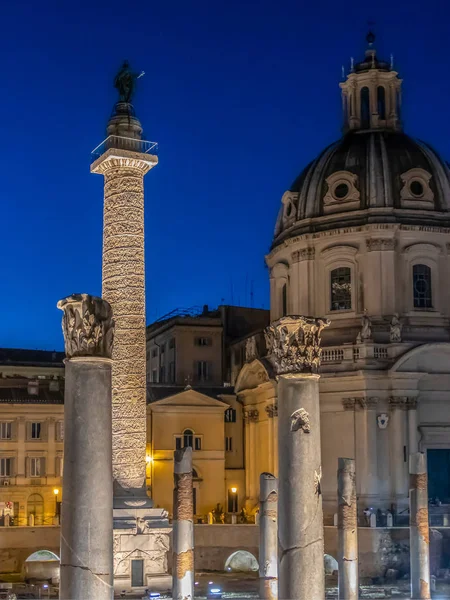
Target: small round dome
pixel 366 177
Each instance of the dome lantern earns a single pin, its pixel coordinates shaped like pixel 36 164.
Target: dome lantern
pixel 371 94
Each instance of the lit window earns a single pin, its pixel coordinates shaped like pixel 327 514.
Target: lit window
pixel 198 443
pixel 35 431
pixel 188 439
pixel 422 286
pixel 203 341
pixel 341 288
pixel 230 415
pixel 5 467
pixel 35 467
pixel 229 444
pixel 5 431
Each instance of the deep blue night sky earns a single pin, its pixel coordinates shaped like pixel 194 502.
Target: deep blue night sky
pixel 240 96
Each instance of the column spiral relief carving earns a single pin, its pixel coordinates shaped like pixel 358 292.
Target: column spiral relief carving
pixel 293 344
pixel 123 281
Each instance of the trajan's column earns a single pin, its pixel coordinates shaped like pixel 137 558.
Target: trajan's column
pixel 123 158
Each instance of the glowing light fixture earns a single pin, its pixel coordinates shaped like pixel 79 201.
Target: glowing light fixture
pixel 148 458
pixel 234 490
pixel 56 491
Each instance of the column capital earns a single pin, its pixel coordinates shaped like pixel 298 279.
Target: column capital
pixel 251 415
pixel 304 254
pixel 402 403
pixel 349 403
pixel 293 344
pixel 115 158
pixel 88 326
pixel 272 410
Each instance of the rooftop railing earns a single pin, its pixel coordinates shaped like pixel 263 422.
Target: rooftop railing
pixel 124 143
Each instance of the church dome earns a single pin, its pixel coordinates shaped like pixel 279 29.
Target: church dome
pixel 375 173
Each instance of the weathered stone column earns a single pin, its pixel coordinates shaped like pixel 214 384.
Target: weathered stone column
pixel 268 537
pixel 183 527
pixel 419 537
pixel 293 345
pixel 87 512
pixel 347 530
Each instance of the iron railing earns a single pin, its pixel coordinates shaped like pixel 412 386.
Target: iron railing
pixel 124 143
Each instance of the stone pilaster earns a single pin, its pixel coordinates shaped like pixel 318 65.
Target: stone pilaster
pixel 183 527
pixel 419 533
pixel 268 537
pixel 347 530
pixel 366 451
pixel 87 512
pixel 397 440
pixel 293 345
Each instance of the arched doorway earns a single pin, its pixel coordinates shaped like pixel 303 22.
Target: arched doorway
pixel 35 507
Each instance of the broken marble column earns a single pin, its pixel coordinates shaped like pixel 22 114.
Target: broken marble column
pixel 419 537
pixel 268 537
pixel 87 511
pixel 183 527
pixel 293 347
pixel 347 530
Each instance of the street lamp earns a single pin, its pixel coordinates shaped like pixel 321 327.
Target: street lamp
pixel 56 492
pixel 234 499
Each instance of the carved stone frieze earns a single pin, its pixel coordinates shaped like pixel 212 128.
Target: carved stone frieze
pixel 293 344
pixel 360 403
pixel 88 326
pixel 251 415
pixel 380 244
pixel 304 254
pixel 272 410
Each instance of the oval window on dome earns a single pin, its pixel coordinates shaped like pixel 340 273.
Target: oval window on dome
pixel 289 209
pixel 341 191
pixel 416 188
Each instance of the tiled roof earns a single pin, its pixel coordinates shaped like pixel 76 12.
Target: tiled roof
pixel 159 392
pixel 21 396
pixel 21 357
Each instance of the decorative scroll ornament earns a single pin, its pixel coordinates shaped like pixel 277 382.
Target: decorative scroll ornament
pixel 88 326
pixel 293 344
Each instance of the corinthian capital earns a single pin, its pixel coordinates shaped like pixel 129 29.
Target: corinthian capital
pixel 88 326
pixel 293 344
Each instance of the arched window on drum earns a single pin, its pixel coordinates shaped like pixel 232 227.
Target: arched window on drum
pixel 422 286
pixel 341 289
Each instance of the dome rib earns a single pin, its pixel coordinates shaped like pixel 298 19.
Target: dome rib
pixel 378 159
